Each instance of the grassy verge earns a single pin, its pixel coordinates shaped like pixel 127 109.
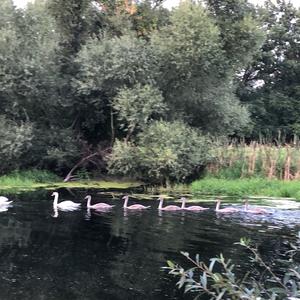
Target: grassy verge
pixel 34 179
pixel 247 187
pixel 27 178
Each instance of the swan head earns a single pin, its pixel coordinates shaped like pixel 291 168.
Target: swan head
pixel 218 200
pixel 182 199
pixel 160 198
pixel 88 197
pixel 125 197
pixel 54 194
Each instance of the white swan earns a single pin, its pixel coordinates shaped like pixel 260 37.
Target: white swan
pixel 4 201
pixel 64 205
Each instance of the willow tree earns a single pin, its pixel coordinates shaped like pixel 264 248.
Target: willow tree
pixel 197 77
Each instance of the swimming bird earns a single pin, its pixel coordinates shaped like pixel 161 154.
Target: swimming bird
pixel 168 207
pixel 134 206
pixel 193 207
pixel 64 205
pixel 225 210
pixel 97 205
pixel 255 210
pixel 4 200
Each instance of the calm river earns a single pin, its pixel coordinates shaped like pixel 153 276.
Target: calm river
pixel 118 255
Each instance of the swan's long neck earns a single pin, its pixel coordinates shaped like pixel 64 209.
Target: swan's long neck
pixel 126 202
pixel 183 203
pixel 246 206
pixel 161 200
pixel 55 202
pixel 88 201
pixel 218 205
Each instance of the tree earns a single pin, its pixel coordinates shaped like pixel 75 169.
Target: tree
pixel 137 106
pixel 270 85
pixel 107 66
pixel 196 77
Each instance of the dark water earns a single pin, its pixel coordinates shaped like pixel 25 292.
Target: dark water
pixel 118 255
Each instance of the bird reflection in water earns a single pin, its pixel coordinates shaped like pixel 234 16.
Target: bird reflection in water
pixel 55 211
pixel 98 212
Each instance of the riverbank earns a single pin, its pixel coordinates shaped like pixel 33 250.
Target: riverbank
pixel 35 179
pixel 247 187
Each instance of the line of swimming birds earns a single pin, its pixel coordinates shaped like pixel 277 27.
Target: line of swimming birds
pixel 70 205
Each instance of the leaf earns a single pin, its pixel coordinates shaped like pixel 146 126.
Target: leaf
pixel 170 264
pixel 186 254
pixel 203 280
pixel 181 282
pixel 277 290
pixel 212 263
pixel 221 294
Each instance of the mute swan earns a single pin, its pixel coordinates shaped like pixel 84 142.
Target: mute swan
pixel 64 205
pixel 4 201
pixel 193 208
pixel 255 210
pixel 225 210
pixel 134 206
pixel 168 207
pixel 97 205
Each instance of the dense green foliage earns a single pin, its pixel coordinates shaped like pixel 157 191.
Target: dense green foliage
pixel 136 89
pixel 163 152
pixel 270 84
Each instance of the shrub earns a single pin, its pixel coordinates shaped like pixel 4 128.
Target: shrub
pixel 164 152
pixel 15 140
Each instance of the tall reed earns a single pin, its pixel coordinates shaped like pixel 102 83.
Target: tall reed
pixel 241 160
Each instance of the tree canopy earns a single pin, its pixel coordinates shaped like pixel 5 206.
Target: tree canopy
pixel 84 82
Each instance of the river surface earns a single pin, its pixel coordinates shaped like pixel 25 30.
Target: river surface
pixel 119 255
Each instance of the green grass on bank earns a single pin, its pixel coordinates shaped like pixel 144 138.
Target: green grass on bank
pixel 33 179
pixel 247 187
pixel 27 178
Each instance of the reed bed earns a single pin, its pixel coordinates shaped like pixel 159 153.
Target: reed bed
pixel 234 161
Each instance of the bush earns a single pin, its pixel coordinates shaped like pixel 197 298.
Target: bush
pixel 15 140
pixel 164 152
